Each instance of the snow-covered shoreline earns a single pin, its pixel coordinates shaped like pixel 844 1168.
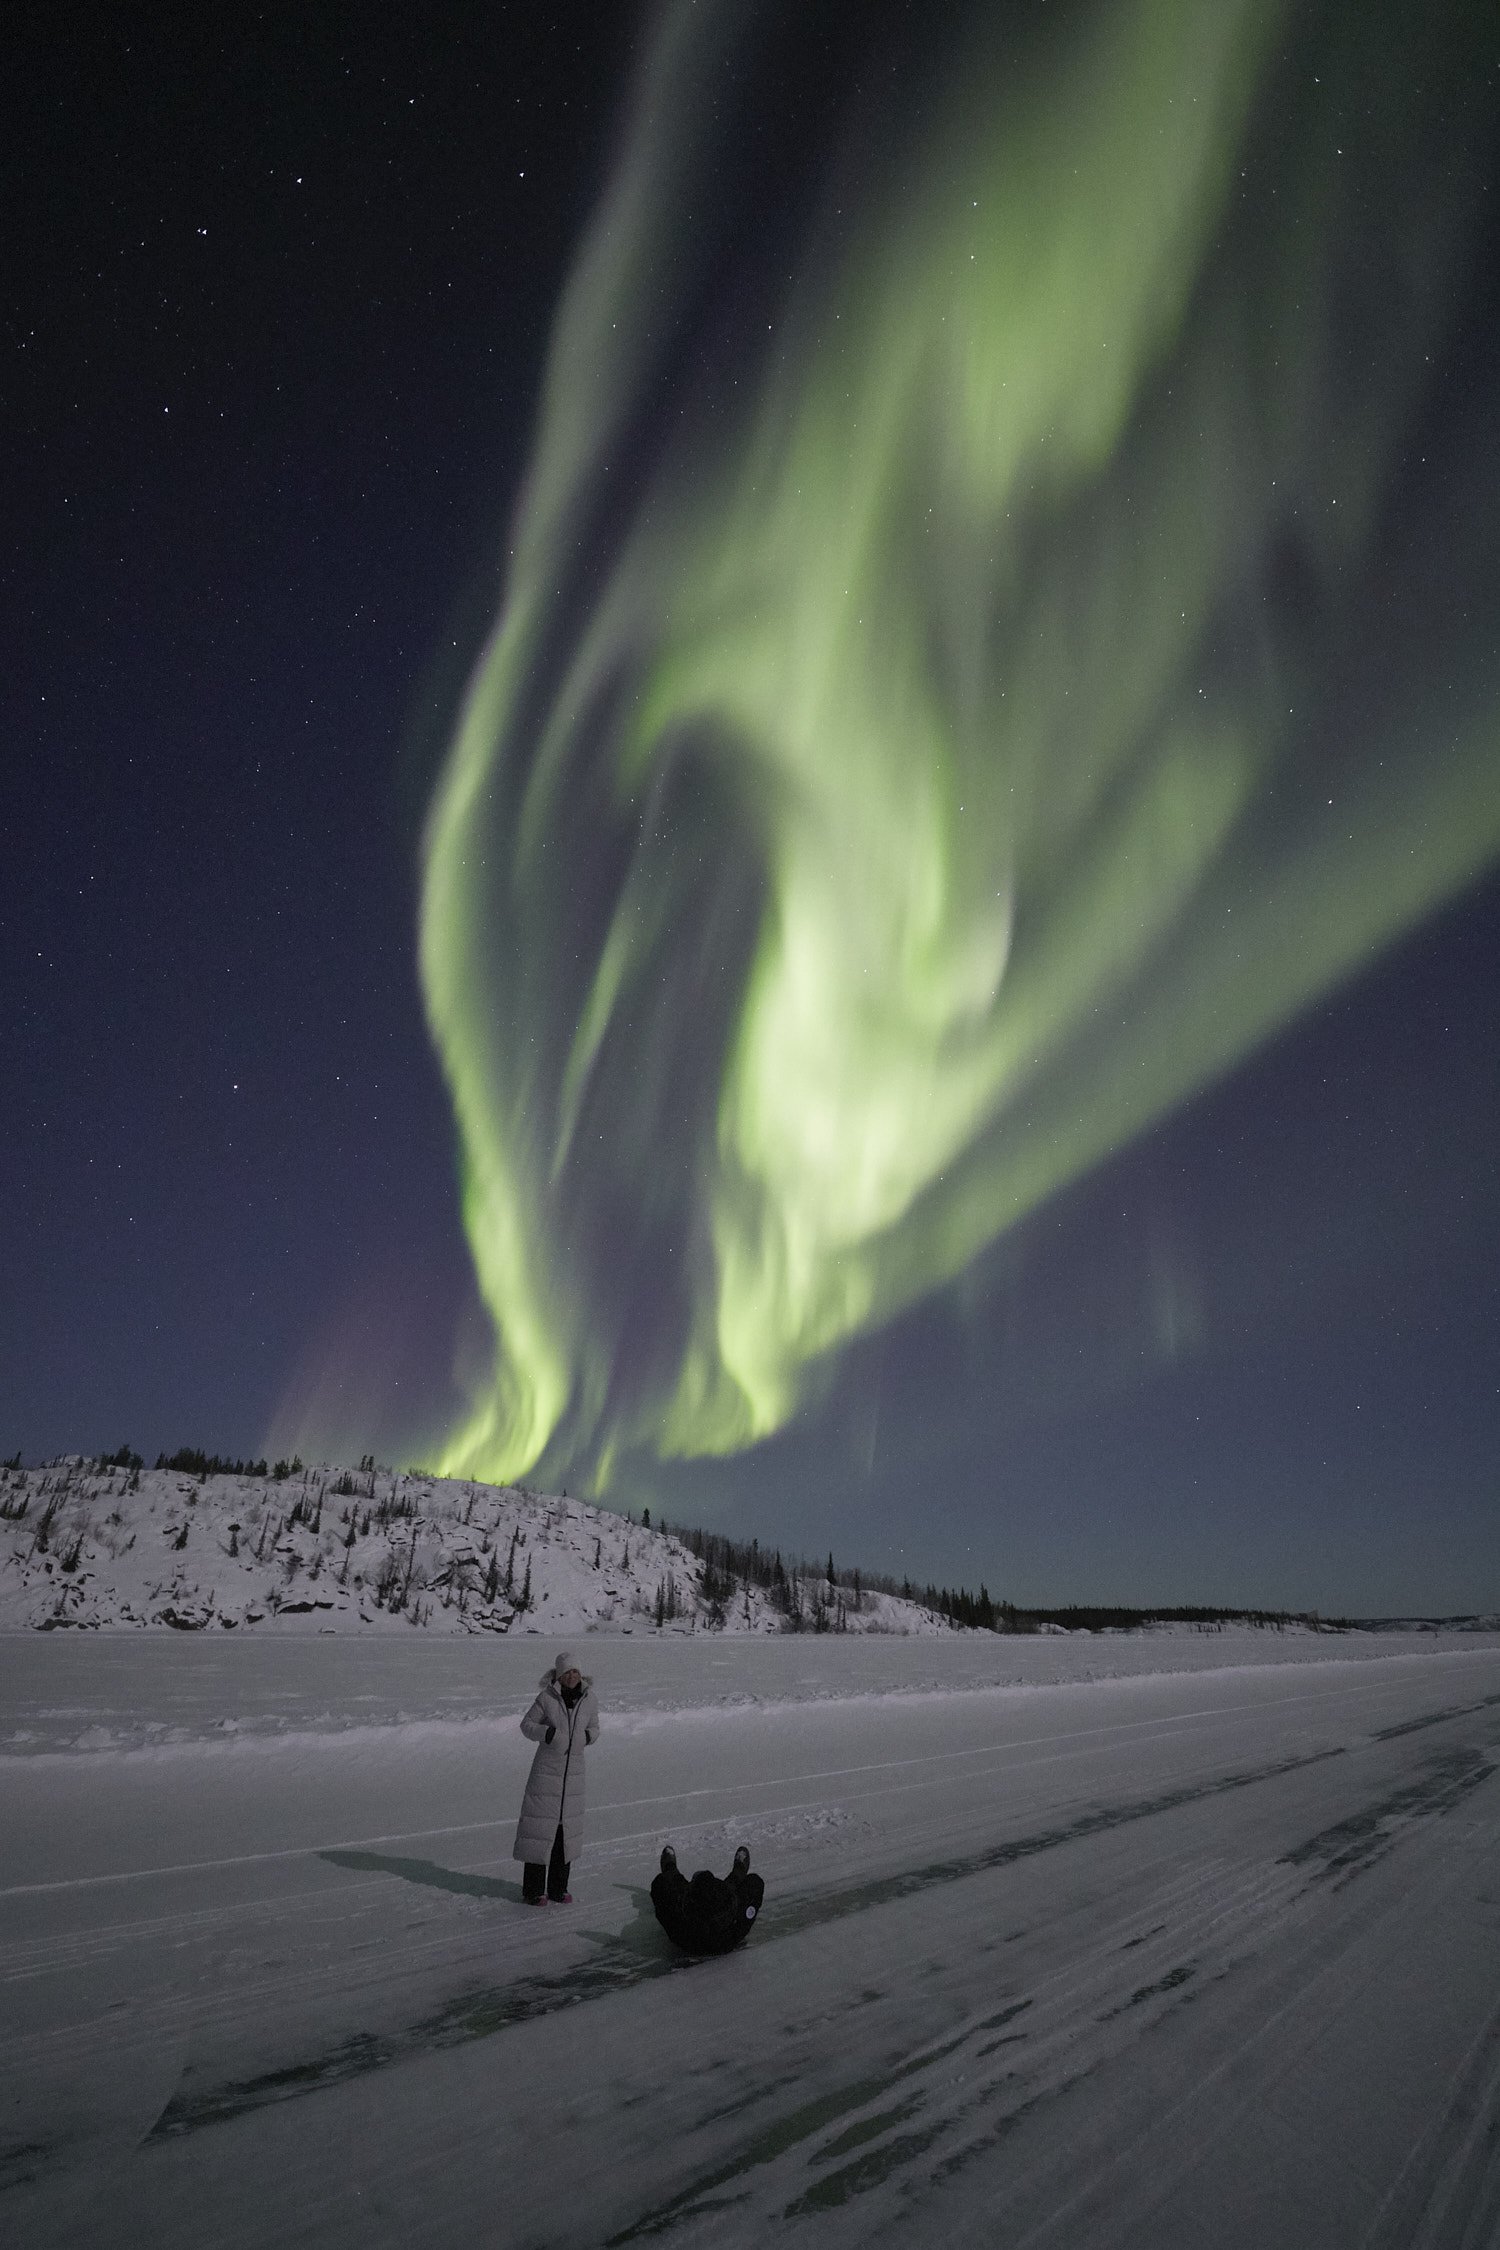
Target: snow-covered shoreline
pixel 74 1695
pixel 332 1549
pixel 332 1604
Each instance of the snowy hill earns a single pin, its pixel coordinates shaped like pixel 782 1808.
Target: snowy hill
pixel 334 1549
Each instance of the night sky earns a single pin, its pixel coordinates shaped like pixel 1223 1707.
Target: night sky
pixel 751 761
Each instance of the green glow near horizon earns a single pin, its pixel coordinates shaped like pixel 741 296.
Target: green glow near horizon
pixel 956 640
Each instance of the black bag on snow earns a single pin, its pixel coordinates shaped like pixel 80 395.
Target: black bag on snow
pixel 712 1913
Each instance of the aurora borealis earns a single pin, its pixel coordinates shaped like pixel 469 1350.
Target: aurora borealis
pixel 750 764
pixel 979 657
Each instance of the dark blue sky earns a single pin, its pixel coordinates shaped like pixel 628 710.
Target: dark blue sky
pixel 272 339
pixel 275 311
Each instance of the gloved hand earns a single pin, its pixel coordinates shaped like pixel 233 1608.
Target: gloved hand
pixel 551 1731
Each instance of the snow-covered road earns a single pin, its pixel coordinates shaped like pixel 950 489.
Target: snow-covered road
pixel 1196 1956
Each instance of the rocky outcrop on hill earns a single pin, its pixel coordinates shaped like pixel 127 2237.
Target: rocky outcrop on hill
pixel 86 1544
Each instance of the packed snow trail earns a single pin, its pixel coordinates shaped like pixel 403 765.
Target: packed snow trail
pixel 1112 1963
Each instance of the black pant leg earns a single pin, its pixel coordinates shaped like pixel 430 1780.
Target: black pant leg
pixel 558 1868
pixel 533 1879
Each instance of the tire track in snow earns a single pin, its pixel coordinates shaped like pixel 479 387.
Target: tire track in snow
pixel 1002 2064
pixel 1343 1851
pixel 1088 2018
pixel 1447 2194
pixel 1336 1950
pixel 638 1955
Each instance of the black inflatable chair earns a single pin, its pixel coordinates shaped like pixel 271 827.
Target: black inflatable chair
pixel 712 1913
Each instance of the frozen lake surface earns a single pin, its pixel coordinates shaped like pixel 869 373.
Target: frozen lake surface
pixel 1157 1940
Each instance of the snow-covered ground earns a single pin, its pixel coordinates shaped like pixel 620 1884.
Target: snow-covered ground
pixel 335 1549
pixel 105 1694
pixel 1205 1952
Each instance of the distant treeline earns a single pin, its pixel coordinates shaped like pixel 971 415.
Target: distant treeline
pixel 810 1596
pixel 1080 1617
pixel 193 1462
pixel 805 1592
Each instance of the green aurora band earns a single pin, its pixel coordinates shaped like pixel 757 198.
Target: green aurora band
pixel 931 737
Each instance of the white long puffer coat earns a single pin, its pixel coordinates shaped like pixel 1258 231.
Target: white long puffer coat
pixel 554 1791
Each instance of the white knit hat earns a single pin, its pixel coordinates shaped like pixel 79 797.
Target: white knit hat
pixel 566 1662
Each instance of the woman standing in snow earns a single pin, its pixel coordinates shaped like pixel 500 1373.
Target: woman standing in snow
pixel 562 1722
